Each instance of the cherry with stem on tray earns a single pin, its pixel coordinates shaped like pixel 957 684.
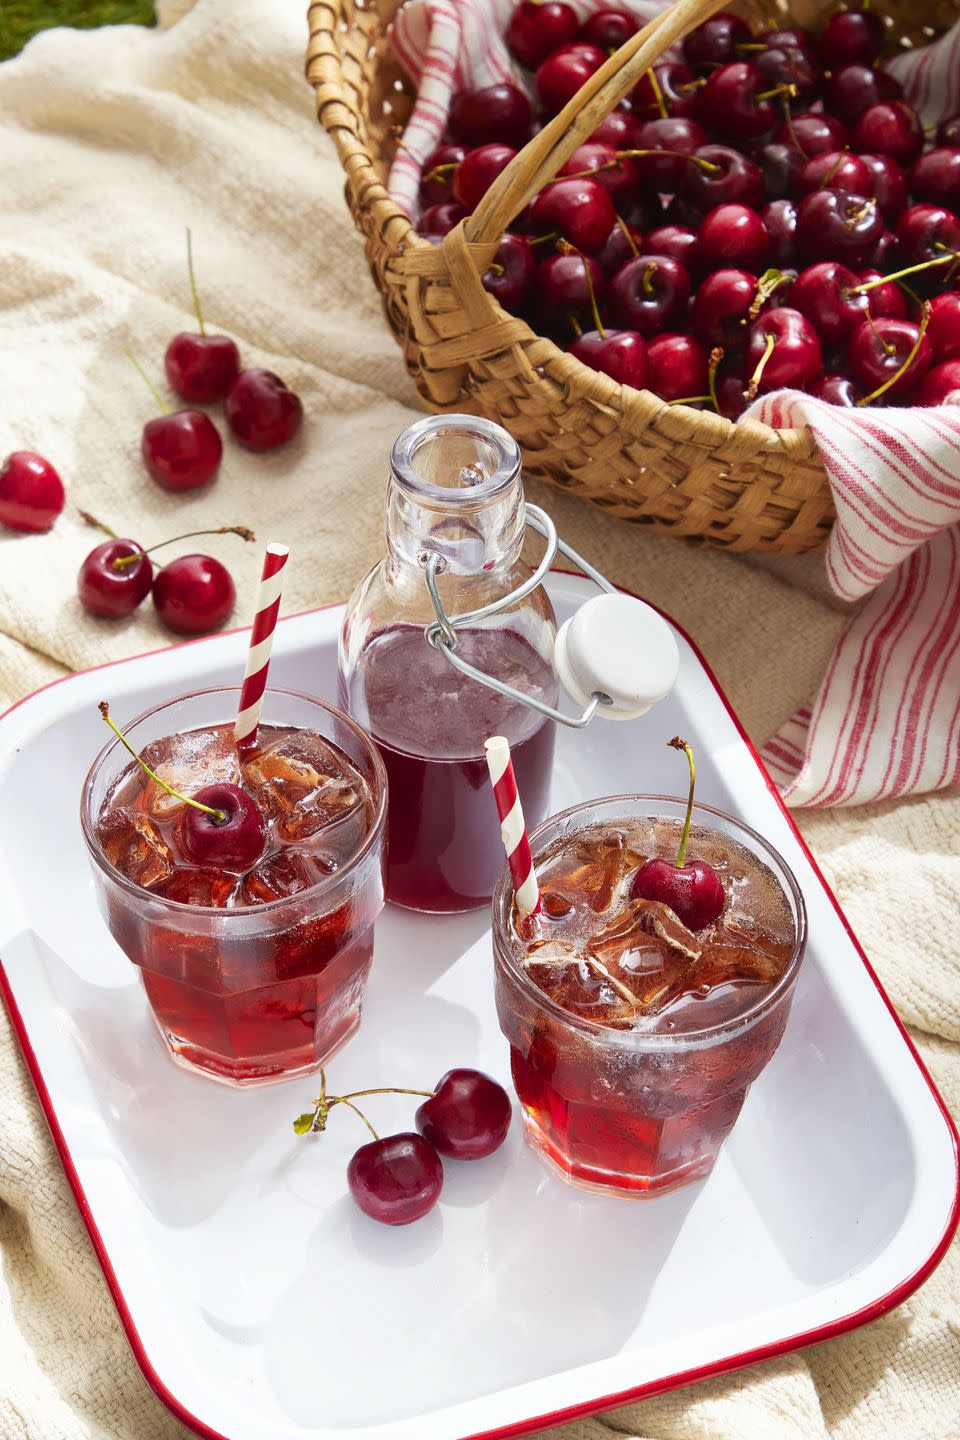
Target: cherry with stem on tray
pixel 221 824
pixel 31 492
pixel 116 576
pixel 200 368
pixel 181 449
pixel 692 889
pixel 397 1179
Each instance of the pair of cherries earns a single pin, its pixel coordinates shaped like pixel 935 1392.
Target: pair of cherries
pixel 396 1179
pixel 182 449
pixel 192 595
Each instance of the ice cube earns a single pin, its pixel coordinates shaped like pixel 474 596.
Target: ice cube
pixel 187 763
pixel 334 811
pixel 285 873
pixel 581 985
pixel 287 771
pixel 134 846
pixel 589 870
pixel 199 885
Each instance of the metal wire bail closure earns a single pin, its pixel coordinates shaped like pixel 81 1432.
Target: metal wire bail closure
pixel 616 657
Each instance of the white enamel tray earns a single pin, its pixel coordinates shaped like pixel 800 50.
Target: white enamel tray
pixel 261 1303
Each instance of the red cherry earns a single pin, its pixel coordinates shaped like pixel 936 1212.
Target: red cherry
pixel 837 390
pixel 201 368
pixel 935 177
pixel 734 235
pixel 677 91
pixel 233 843
pixel 780 219
pixel 679 242
pixel 560 76
pixel 851 37
pixel 737 181
pixel 792 65
pixel 879 349
pixel 538 27
pixel 581 210
pixel 731 390
pixel 943 331
pixel 182 450
pixel 833 226
pixel 780 165
pixel 490 115
pixel 441 218
pixel 884 255
pixel 794 360
pixel 673 140
pixel 940 386
pixel 650 294
pixel 792 35
pixel 477 172
pixel 730 103
pixel 194 594
pixel 510 276
pixel 678 367
pixel 928 232
pixel 31 492
pixel 693 891
pixel 562 289
pixel 262 411
pixel 854 88
pixel 621 354
pixel 811 134
pixel 617 174
pixel 111 590
pixel 397 1179
pixel 889 185
pixel 437 178
pixel 623 243
pixel 715 41
pixel 835 170
pixel 824 293
pixel 891 128
pixel 721 307
pixel 608 29
pixel 619 130
pixel 886 299
pixel 948 131
pixel 468 1117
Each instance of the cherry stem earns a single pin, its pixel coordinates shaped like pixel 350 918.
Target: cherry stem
pixel 789 90
pixel 625 228
pixel 677 744
pixel 692 85
pixel 575 325
pixel 881 389
pixel 859 212
pixel 147 381
pixel 885 345
pixel 898 274
pixel 89 519
pixel 542 239
pixel 193 284
pixel 496 269
pixel 342 1100
pixel 757 375
pixel 386 1090
pixel 219 816
pixel 658 95
pixel 825 182
pixel 440 172
pixel 566 248
pixel 769 282
pixel 649 270
pixel 716 356
pixel 123 561
pixel 690 400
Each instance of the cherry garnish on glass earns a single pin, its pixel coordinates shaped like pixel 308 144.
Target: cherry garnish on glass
pixel 692 889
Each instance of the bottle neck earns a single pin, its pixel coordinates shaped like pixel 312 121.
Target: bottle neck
pixel 473 535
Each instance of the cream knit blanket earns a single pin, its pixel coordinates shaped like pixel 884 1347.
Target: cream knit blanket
pixel 111 142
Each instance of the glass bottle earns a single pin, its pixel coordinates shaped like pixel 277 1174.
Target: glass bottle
pixel 455 492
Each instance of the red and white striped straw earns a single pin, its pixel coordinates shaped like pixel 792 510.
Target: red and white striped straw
pixel 512 828
pixel 261 642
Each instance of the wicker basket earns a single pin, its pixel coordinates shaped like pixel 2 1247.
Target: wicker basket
pixel 740 486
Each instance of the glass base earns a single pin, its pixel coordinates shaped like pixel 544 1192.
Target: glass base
pixel 242 1074
pixel 438 910
pixel 601 1182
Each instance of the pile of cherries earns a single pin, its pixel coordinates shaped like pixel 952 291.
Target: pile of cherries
pixel 398 1178
pixel 760 214
pixel 181 450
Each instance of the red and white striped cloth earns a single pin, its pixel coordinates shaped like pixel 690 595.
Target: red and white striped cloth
pixel 886 720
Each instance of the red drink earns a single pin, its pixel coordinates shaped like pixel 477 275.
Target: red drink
pixel 256 974
pixel 633 1040
pixel 444 847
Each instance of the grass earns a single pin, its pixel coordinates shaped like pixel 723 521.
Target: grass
pixel 19 19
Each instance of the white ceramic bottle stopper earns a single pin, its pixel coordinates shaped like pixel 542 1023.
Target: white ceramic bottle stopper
pixel 617 646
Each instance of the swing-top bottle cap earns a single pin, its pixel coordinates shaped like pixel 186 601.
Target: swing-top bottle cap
pixel 619 647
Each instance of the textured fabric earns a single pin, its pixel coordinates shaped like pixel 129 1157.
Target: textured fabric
pixel 886 716
pixel 111 142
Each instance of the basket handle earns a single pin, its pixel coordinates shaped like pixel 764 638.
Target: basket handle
pixel 543 156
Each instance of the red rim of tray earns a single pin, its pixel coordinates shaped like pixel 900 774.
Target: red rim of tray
pixel 828 1331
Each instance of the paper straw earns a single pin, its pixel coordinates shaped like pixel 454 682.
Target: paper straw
pixel 261 643
pixel 512 828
